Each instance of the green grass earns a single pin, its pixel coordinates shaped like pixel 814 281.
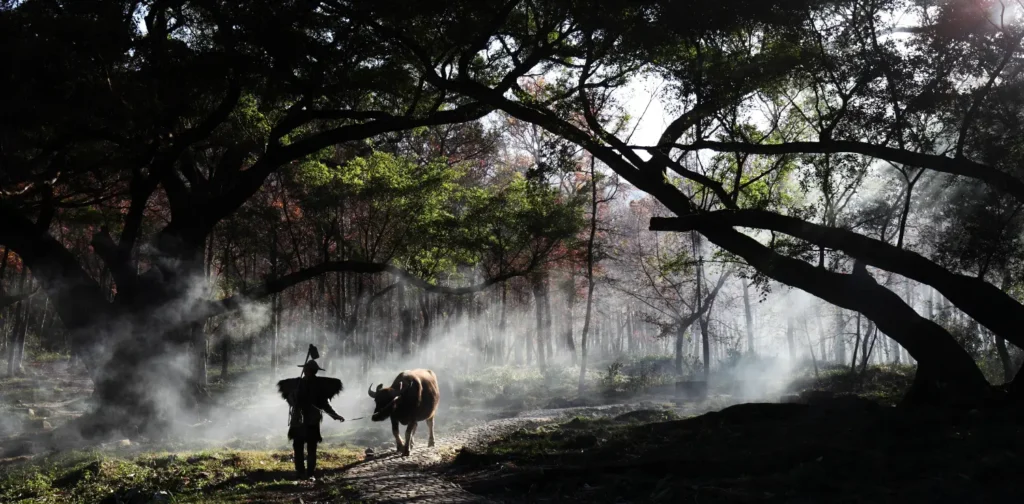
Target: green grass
pixel 203 476
pixel 884 384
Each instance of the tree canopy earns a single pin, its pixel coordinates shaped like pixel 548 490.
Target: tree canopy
pixel 153 124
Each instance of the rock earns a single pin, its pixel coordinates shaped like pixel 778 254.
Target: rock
pixel 583 441
pixel 37 424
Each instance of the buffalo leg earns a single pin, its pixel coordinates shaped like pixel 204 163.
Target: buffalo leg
pixel 398 439
pixel 410 431
pixel 430 428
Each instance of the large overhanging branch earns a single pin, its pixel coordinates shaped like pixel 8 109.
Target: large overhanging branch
pixel 249 181
pixel 925 340
pixel 76 296
pixel 277 285
pixel 979 299
pixel 954 166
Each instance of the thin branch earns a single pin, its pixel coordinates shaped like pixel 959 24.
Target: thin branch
pixel 961 166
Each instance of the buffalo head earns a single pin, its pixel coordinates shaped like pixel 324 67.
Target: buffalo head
pixel 386 400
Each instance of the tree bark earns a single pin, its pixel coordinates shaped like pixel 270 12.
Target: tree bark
pixel 952 368
pixel 538 296
pixel 1001 349
pixel 570 302
pixel 789 338
pixel 275 301
pixel 18 331
pixel 856 346
pixel 590 275
pixel 872 334
pixel 502 325
pixel 225 335
pixel 981 300
pixel 840 346
pixel 549 335
pixel 749 317
pixel 680 340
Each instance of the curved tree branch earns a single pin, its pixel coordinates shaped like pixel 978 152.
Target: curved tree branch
pixel 77 297
pixel 983 301
pixel 249 181
pixel 925 340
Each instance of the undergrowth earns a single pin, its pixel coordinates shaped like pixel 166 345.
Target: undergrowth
pixel 204 476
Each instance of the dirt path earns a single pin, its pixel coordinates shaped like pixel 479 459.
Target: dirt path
pixel 392 479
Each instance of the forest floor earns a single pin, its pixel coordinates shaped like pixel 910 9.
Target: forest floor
pixel 848 445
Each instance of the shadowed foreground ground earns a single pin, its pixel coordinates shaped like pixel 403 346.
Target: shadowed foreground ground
pixel 838 451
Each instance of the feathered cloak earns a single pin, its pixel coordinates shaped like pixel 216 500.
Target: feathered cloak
pixel 325 388
pixel 306 402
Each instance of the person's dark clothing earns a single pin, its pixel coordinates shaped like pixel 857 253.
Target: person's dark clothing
pixel 306 402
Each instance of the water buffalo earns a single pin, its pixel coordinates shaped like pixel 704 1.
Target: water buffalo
pixel 412 398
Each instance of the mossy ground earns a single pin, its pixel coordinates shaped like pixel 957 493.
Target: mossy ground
pixel 883 384
pixel 205 476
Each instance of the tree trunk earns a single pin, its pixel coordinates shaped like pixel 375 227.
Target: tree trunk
pixel 840 346
pixel 856 346
pixel 502 325
pixel 570 302
pixel 199 354
pixel 549 335
pixel 225 335
pixel 428 321
pixel 810 349
pixel 749 317
pixel 704 340
pixel 1001 349
pixel 680 340
pixel 275 302
pixel 18 330
pixel 630 335
pixel 789 338
pixel 872 334
pixel 405 318
pixel 538 297
pixel 590 276
pixel 924 340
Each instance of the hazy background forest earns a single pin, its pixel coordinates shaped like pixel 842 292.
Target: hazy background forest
pixel 550 204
